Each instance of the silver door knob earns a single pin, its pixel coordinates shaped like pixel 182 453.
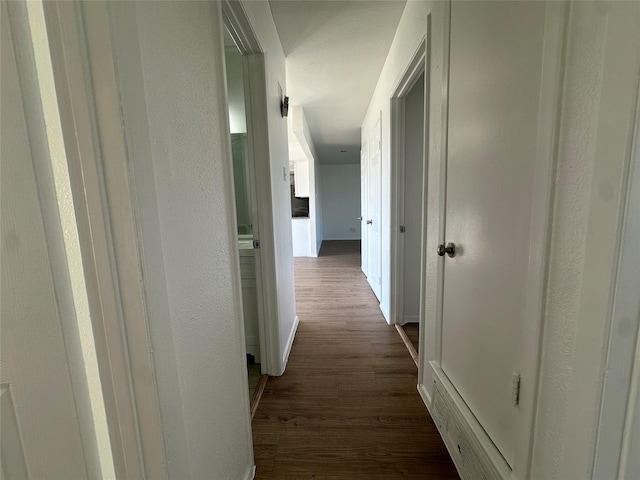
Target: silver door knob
pixel 360 218
pixel 449 249
pixel 369 222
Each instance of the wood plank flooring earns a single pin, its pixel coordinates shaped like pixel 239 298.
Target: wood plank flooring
pixel 347 405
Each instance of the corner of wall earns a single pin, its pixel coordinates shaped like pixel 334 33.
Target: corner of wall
pixel 287 349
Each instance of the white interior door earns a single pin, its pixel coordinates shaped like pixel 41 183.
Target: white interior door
pixel 40 433
pixel 494 93
pixel 364 246
pixel 374 186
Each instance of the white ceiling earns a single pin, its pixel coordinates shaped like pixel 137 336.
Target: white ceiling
pixel 335 51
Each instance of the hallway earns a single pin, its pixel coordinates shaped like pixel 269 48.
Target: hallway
pixel 347 405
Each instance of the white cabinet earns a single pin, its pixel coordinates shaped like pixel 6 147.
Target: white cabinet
pixel 301 173
pixel 250 302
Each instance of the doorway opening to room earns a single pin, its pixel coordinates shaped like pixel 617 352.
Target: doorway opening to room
pixel 249 148
pixel 409 121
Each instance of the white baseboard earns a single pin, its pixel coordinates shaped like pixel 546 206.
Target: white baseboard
pixel 287 350
pixel 424 394
pixel 341 239
pixel 410 319
pixel 250 473
pixel 254 350
pixel 472 451
pixel 385 313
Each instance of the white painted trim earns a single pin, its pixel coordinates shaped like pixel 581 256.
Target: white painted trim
pixel 250 473
pixel 442 200
pixel 540 227
pixel 106 225
pixel 473 431
pixel 426 398
pixel 237 22
pixel 25 21
pixel 287 351
pixel 424 394
pixel 620 384
pixel 341 239
pixel 422 320
pixel 409 319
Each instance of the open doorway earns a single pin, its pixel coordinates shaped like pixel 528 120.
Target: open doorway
pixel 408 183
pixel 245 72
pixel 246 211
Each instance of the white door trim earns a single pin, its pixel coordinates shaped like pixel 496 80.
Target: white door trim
pixel 549 116
pixel 416 67
pixel 106 226
pixel 620 386
pixel 254 67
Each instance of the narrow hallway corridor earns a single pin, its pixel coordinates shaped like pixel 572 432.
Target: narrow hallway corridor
pixel 347 406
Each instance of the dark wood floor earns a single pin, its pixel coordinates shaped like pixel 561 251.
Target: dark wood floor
pixel 347 405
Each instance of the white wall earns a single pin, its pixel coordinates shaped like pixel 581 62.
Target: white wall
pixel 301 172
pixel 301 233
pixel 315 235
pixel 235 88
pixel 302 152
pixel 340 192
pixel 259 15
pixel 599 100
pixel 318 207
pixel 171 75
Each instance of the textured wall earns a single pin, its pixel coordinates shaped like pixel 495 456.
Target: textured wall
pixel 411 30
pixel 599 101
pixel 340 186
pixel 171 72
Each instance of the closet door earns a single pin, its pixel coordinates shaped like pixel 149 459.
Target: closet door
pixel 494 93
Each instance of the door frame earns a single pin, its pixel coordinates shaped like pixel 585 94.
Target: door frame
pixel 106 220
pixel 620 387
pixel 418 65
pixel 255 86
pixel 553 64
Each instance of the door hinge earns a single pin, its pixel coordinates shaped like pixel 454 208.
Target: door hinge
pixel 515 389
pixel 402 229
